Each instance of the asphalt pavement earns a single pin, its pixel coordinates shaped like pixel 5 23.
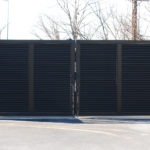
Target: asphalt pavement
pixel 67 133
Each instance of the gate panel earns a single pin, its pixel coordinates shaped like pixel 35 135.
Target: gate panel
pixel 13 78
pixel 97 78
pixel 136 78
pixel 52 82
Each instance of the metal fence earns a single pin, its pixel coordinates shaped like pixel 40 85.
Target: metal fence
pixel 36 77
pixel 74 77
pixel 113 77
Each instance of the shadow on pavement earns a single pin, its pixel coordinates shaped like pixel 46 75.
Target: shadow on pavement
pixel 115 120
pixel 50 119
pixel 83 120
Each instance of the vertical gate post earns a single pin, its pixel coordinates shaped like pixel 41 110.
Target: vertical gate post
pixel 31 78
pixel 72 78
pixel 119 77
pixel 77 78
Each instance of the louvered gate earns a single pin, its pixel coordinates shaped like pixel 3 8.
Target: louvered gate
pixel 136 78
pixel 36 77
pixel 13 77
pixel 113 77
pixel 74 77
pixel 96 83
pixel 52 78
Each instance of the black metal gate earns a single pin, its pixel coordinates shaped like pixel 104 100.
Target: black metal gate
pixel 36 77
pixel 74 77
pixel 13 77
pixel 96 83
pixel 52 78
pixel 136 78
pixel 113 77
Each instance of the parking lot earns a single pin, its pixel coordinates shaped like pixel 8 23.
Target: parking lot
pixel 67 133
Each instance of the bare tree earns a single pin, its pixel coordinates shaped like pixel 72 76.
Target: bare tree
pixel 122 28
pixel 102 20
pixel 146 21
pixel 126 30
pixel 112 25
pixel 76 11
pixel 78 23
pixel 73 24
pixel 2 29
pixel 49 27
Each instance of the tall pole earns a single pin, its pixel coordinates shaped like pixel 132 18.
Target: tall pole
pixel 134 19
